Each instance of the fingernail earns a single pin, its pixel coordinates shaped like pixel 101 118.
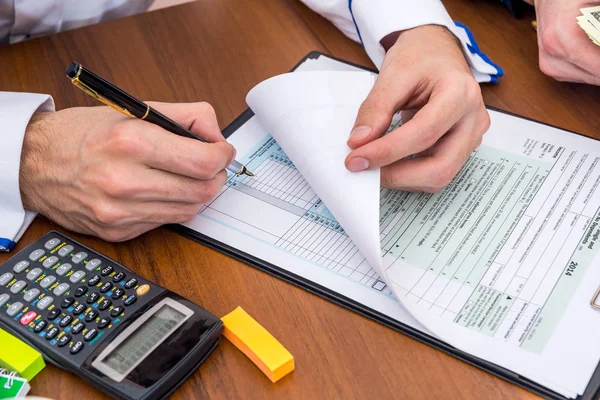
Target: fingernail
pixel 234 154
pixel 358 164
pixel 360 132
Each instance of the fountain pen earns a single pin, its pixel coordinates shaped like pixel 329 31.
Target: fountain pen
pixel 118 99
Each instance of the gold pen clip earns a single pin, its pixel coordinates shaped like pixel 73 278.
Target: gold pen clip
pixel 97 96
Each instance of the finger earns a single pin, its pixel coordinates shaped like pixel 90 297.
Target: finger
pixel 152 185
pixel 431 172
pixel 388 95
pixel 160 149
pixel 429 124
pixel 199 118
pixel 565 71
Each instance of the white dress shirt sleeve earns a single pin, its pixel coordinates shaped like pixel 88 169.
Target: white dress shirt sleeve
pixel 16 110
pixel 369 21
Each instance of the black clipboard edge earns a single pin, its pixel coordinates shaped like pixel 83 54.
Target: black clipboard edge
pixel 593 389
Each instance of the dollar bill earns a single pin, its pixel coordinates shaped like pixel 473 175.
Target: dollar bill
pixel 589 21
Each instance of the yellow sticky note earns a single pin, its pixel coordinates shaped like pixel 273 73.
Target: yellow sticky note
pixel 258 344
pixel 16 355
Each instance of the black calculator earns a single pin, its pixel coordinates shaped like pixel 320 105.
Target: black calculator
pixel 92 316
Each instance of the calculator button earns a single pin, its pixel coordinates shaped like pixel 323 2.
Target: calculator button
pixel 40 326
pixel 66 320
pixel 31 295
pixel 45 302
pixel 61 289
pixel 5 278
pixel 103 323
pixel 76 348
pixel 130 300
pixel 104 304
pixel 63 269
pixel 14 309
pixel 81 290
pixel 77 276
pixel 18 286
pixel 117 293
pixel 51 333
pixel 65 250
pixel 115 312
pixel 4 298
pixel 92 297
pixel 91 315
pixel 55 312
pixel 89 335
pixel 78 327
pixel 50 261
pixel 52 243
pixel 142 290
pixel 34 273
pixel 106 287
pixel 79 257
pixel 93 264
pixel 106 270
pixel 67 302
pixel 37 254
pixel 93 281
pixel 79 308
pixel 20 267
pixel 63 340
pixel 118 277
pixel 47 281
pixel 28 317
pixel 130 283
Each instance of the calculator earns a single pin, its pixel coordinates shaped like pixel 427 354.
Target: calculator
pixel 92 316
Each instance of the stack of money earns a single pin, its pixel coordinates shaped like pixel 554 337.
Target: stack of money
pixel 590 23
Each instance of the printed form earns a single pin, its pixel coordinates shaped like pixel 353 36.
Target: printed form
pixel 502 263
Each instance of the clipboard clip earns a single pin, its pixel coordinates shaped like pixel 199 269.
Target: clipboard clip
pixel 595 302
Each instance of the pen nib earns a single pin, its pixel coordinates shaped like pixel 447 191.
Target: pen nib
pixel 245 171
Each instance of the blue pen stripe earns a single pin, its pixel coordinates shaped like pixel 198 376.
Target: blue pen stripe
pixel 354 20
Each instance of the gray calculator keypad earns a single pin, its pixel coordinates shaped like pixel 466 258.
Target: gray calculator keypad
pixel 65 250
pixel 47 281
pixel 79 257
pixel 18 286
pixel 31 295
pixel 5 278
pixel 63 269
pixel 77 276
pixel 92 264
pixel 36 254
pixel 14 309
pixel 50 261
pixel 61 289
pixel 52 243
pixel 45 302
pixel 34 274
pixel 4 298
pixel 20 266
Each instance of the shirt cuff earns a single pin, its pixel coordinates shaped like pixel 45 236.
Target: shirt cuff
pixel 375 23
pixel 16 110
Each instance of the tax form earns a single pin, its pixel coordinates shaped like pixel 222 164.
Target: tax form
pixel 501 264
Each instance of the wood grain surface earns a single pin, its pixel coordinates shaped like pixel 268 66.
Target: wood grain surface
pixel 216 51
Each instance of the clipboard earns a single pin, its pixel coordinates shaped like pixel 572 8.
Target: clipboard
pixel 593 389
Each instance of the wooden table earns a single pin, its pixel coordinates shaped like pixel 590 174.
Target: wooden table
pixel 216 51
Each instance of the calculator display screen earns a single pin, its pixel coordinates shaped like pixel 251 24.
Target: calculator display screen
pixel 144 339
pixel 140 339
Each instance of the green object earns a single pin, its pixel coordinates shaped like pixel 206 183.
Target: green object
pixel 15 355
pixel 12 386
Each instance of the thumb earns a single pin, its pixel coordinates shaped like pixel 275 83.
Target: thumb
pixel 200 118
pixel 376 112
